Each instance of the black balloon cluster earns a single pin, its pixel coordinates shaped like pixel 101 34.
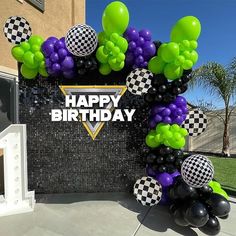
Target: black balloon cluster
pixel 85 64
pixel 164 159
pixel 197 207
pixel 163 91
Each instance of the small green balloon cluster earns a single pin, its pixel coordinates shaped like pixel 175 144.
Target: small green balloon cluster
pixel 216 187
pixel 169 135
pixel 111 53
pixel 179 54
pixel 29 53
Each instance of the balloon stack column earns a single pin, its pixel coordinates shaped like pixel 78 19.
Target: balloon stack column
pixel 183 182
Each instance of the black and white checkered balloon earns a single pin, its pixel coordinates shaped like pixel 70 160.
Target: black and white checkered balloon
pixel 17 29
pixel 197 171
pixel 195 123
pixel 81 40
pixel 147 191
pixel 139 81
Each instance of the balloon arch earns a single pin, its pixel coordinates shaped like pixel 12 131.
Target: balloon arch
pixel 159 72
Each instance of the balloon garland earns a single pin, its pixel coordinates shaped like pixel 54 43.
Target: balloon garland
pixel 159 72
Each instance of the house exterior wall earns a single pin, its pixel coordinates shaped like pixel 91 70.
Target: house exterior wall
pixel 212 139
pixel 58 17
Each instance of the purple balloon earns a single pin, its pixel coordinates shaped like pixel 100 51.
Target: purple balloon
pixel 152 123
pixel 167 120
pixel 172 107
pixel 48 62
pixel 157 119
pixel 48 48
pixel 175 174
pixel 139 60
pixel 62 53
pixel 56 68
pixel 140 41
pixel 52 39
pixel 164 179
pixel 164 198
pixel 59 44
pixel 157 109
pixel 145 64
pixel 131 34
pixel 178 120
pixel 149 49
pixel 178 112
pixel 129 59
pixel 68 63
pixel 150 171
pixel 54 57
pixel 166 112
pixel 184 109
pixel 138 51
pixel 69 74
pixel 146 34
pixel 180 101
pixel 132 46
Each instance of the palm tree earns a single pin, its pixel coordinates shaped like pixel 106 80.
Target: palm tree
pixel 219 81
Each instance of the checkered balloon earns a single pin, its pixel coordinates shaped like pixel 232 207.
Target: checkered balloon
pixel 139 81
pixel 197 171
pixel 17 29
pixel 81 40
pixel 195 123
pixel 147 191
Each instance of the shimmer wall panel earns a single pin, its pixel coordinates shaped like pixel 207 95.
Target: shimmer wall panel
pixel 62 157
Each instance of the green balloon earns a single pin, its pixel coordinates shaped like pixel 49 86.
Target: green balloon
pixel 214 185
pixel 35 39
pixel 151 140
pixel 101 56
pixel 28 73
pixel 172 71
pixel 39 56
pixel 194 56
pixel 105 69
pixel 102 38
pixel 118 66
pixel 109 45
pixel 170 52
pixel 221 192
pixel 115 18
pixel 122 43
pixel 188 64
pixel 187 28
pixel 18 53
pixel 156 65
pixel 25 46
pixel 29 60
pixel 120 57
pixel 114 37
pixel 42 69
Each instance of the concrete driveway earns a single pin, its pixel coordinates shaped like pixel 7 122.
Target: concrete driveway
pixel 102 214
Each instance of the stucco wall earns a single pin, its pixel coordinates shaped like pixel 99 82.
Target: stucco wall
pixel 211 139
pixel 58 17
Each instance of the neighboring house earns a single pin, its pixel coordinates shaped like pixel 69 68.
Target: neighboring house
pixel 211 140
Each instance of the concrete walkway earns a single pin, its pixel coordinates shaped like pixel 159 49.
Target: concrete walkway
pixel 108 214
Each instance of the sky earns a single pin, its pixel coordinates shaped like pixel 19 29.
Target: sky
pixel 218 19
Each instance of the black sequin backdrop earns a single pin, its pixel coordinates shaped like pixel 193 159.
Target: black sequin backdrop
pixel 62 157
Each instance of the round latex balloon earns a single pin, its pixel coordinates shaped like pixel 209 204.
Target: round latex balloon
pixel 197 171
pixel 187 28
pixel 17 29
pixel 115 18
pixel 147 191
pixel 81 40
pixel 139 81
pixel 195 123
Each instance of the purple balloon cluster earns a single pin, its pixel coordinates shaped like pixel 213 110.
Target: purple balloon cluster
pixel 173 113
pixel 141 49
pixel 166 180
pixel 59 60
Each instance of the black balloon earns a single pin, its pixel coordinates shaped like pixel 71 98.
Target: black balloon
pixel 184 191
pixel 85 64
pixel 151 158
pixel 212 227
pixel 179 217
pixel 196 214
pixel 149 98
pixel 219 206
pixel 205 192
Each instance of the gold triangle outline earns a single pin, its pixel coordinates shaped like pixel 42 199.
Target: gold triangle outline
pixel 123 90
